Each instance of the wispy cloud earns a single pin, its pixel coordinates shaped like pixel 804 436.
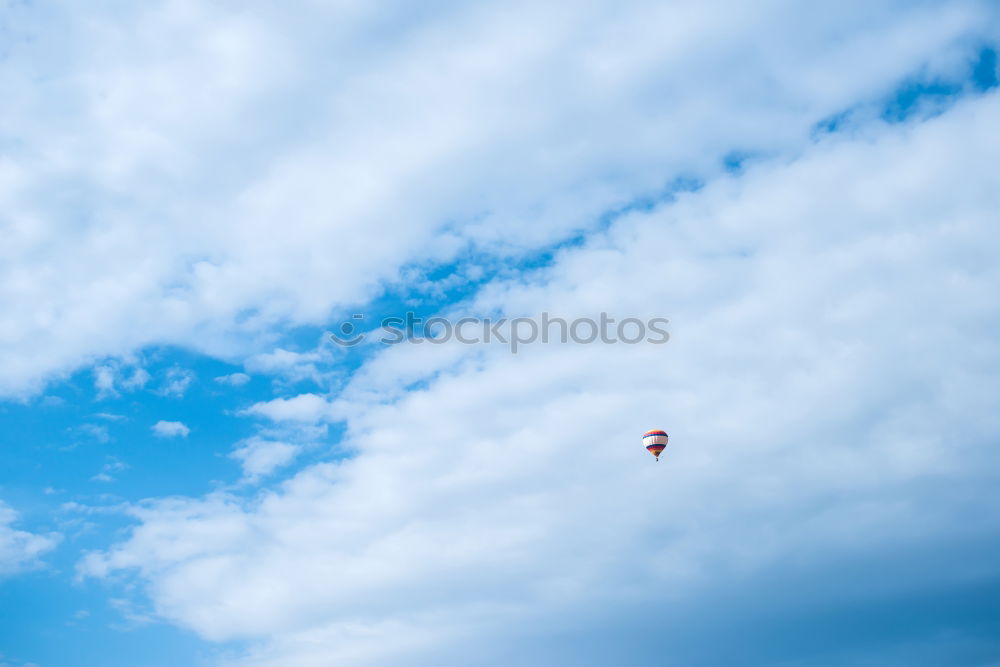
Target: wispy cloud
pixel 112 378
pixel 259 457
pixel 233 379
pixel 108 469
pixel 20 549
pixel 309 408
pixel 176 382
pixel 169 429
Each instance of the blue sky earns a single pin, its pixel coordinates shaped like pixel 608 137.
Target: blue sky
pixel 193 194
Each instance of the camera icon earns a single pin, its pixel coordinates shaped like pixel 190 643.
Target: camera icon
pixel 347 337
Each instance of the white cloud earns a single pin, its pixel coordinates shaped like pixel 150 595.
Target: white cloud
pixel 104 381
pixel 500 128
pixel 20 549
pixel 260 457
pixel 176 382
pixel 290 366
pixel 233 379
pixel 114 376
pixel 302 408
pixel 827 387
pixel 168 429
pixel 113 465
pixel 137 380
pixel 98 432
pixel 111 417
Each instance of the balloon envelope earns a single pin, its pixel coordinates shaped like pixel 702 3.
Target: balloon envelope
pixel 655 442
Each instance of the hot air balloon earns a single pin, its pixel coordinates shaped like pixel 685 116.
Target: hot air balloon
pixel 655 441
